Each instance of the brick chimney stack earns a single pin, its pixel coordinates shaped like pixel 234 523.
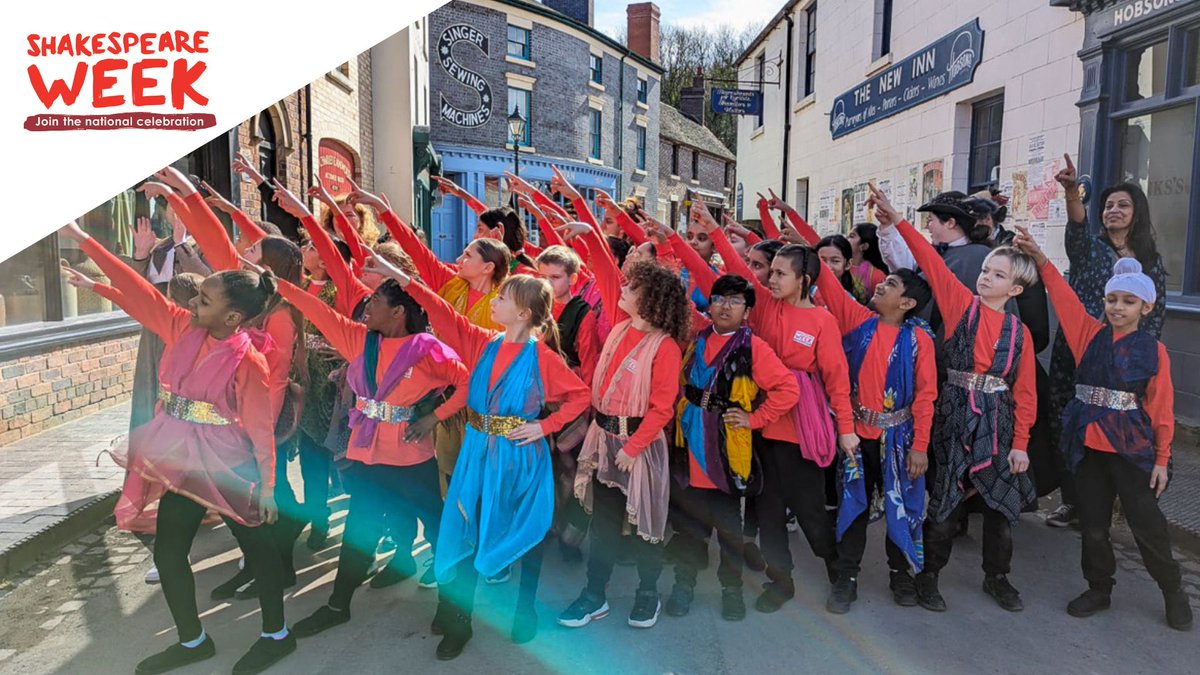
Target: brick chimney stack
pixel 691 99
pixel 642 29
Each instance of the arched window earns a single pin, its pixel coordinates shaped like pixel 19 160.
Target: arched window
pixel 266 156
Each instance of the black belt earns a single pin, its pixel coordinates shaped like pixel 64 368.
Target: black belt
pixel 705 400
pixel 618 425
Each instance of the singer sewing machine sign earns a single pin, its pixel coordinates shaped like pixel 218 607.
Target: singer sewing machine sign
pixel 937 69
pixel 469 119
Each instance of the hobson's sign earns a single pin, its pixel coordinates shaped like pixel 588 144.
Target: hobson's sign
pixel 937 69
pixel 1129 13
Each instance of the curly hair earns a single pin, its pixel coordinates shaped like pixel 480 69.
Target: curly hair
pixel 662 299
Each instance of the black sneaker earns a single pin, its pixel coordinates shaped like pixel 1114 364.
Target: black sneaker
pixel 1089 602
pixel 317 537
pixel 733 605
pixel 394 574
pixel 444 612
pixel 754 557
pixel 773 596
pixel 525 625
pixel 572 555
pixel 646 606
pixel 264 653
pixel 586 609
pixel 844 592
pixel 320 621
pixel 1179 612
pixel 904 590
pixel 177 656
pixel 927 592
pixel 1003 592
pixel 1063 516
pixel 830 571
pixel 229 589
pixel 680 602
pixel 456 636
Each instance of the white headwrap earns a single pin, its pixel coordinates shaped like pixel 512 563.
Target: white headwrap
pixel 1128 277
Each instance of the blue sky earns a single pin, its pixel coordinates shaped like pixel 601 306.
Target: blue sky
pixel 610 14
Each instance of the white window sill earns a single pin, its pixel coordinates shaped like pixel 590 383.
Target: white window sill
pixel 804 103
pixel 879 64
pixel 643 106
pixel 594 85
pixel 517 60
pixel 340 79
pixel 597 162
pixel 639 172
pixel 694 181
pixel 674 176
pixel 758 132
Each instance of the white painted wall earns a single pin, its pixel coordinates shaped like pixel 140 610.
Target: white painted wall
pixel 400 88
pixel 1028 54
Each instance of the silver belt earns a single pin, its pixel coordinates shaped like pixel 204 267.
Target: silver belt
pixel 383 412
pixel 882 420
pixel 988 384
pixel 1106 398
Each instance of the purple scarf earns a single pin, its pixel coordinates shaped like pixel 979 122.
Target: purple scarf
pixel 362 378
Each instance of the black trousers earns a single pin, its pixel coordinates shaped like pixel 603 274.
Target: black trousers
pixel 791 482
pixel 1101 477
pixel 291 514
pixel 608 522
pixel 385 498
pixel 178 521
pixel 461 591
pixel 997 538
pixel 854 542
pixel 700 512
pixel 316 464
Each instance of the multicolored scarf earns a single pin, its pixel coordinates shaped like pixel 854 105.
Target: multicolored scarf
pixel 904 503
pixel 723 451
pixel 457 292
pixel 362 375
pixel 1124 365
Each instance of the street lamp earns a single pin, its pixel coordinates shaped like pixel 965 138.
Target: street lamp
pixel 516 131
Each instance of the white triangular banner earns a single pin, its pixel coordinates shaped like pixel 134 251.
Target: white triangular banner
pixel 257 53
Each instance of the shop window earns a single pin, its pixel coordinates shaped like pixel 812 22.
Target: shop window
pixel 1157 151
pixel 518 42
pixel 1146 71
pixel 1191 62
pixel 987 119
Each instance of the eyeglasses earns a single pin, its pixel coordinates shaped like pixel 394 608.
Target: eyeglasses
pixel 727 300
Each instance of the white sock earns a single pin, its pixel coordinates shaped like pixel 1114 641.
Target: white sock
pixel 277 636
pixel 192 644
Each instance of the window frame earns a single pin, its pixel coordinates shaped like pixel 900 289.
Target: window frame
pixel 596 68
pixel 526 46
pixel 810 50
pixel 695 164
pixel 979 110
pixel 640 138
pixel 675 159
pixel 595 132
pixel 527 141
pixel 643 90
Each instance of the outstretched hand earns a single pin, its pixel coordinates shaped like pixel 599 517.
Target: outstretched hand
pixel 360 196
pixel 244 165
pixel 78 279
pixel 775 202
pixel 217 201
pixel 175 178
pixel 288 201
pixel 144 238
pixel 561 186
pixel 699 214
pixel 885 214
pixel 1025 243
pixel 379 265
pixel 569 231
pixel 73 232
pixel 1067 177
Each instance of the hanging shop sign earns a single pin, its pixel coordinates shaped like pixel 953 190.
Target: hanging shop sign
pixel 460 117
pixel 737 101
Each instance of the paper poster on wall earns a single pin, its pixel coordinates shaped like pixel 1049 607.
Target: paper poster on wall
pixel 847 213
pixel 1018 205
pixel 827 215
pixel 1042 190
pixel 1037 228
pixel 860 203
pixel 1035 152
pixel 914 185
pixel 885 186
pixel 931 182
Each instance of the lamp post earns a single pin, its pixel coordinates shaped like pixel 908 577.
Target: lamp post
pixel 516 131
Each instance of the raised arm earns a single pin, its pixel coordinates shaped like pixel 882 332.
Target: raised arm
pixel 734 263
pixel 344 335
pixel 768 221
pixel 449 187
pixel 797 221
pixel 1077 325
pixel 1069 179
pixel 433 271
pixel 700 272
pixel 201 222
pixel 341 224
pixel 845 309
pixel 250 230
pixel 631 229
pixel 451 327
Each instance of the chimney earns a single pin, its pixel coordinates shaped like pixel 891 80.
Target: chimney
pixel 580 10
pixel 641 26
pixel 691 99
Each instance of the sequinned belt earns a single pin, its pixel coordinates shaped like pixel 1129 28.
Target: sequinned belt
pixel 882 420
pixel 494 425
pixel 988 384
pixel 384 412
pixel 1106 398
pixel 199 412
pixel 618 425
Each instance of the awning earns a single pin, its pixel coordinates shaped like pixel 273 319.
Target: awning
pixel 710 197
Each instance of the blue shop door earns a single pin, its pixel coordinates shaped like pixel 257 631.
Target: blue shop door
pixel 446 238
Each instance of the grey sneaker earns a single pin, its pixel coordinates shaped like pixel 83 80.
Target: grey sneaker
pixel 1063 516
pixel 646 607
pixel 586 609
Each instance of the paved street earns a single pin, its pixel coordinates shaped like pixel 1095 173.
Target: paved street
pixel 87 610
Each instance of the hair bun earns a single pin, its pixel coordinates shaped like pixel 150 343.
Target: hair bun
pixel 267 282
pixel 1127 266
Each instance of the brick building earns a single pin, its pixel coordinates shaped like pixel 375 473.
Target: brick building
pixel 591 104
pixel 692 164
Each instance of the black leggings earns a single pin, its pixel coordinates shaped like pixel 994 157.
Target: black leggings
pixel 178 521
pixel 608 521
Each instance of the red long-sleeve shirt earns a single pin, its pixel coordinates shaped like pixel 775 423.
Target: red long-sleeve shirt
pixel 768 221
pixel 700 274
pixel 808 234
pixel 953 300
pixel 805 338
pixel 169 322
pixel 349 338
pixel 872 375
pixel 350 289
pixel 560 385
pixel 358 247
pixel 250 229
pixel 434 272
pixel 1080 329
pixel 664 387
pixel 773 380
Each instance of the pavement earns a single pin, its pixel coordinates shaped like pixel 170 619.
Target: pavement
pixel 84 607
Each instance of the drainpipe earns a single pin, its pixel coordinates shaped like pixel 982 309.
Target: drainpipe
pixel 620 192
pixel 787 107
pixel 308 138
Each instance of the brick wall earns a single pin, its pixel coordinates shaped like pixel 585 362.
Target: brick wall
pixel 290 153
pixel 711 175
pixel 42 391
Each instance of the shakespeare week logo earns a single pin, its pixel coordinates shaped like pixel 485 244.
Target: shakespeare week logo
pixel 156 73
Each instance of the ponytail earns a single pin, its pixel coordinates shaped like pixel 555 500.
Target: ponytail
pixel 247 292
pixel 805 264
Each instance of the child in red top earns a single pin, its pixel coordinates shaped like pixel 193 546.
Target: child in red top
pixel 501 499
pixel 1118 429
pixel 894 379
pixel 396 372
pixel 808 341
pixel 983 414
pixel 210 445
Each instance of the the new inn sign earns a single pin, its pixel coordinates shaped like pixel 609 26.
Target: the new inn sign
pixel 937 69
